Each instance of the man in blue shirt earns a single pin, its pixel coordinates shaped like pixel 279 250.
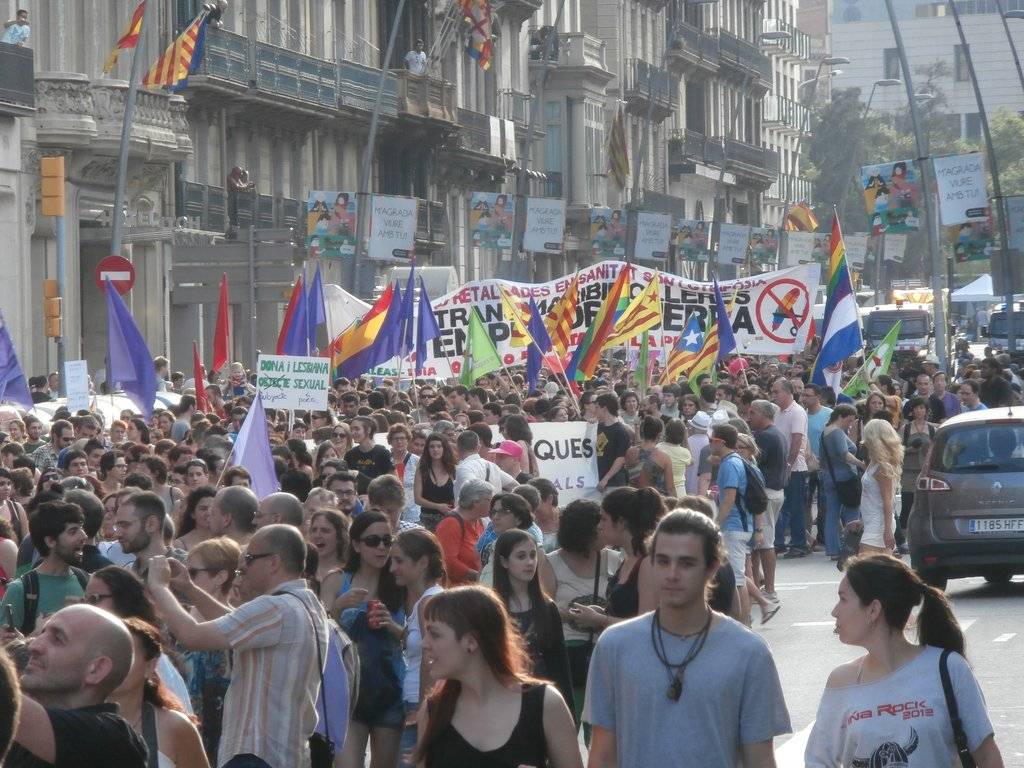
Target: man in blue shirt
pixel 17 31
pixel 970 396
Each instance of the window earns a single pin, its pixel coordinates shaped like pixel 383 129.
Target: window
pixel 960 69
pixel 553 140
pixel 890 64
pixel 594 117
pixel 972 126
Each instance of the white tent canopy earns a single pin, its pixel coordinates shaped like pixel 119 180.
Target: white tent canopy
pixel 979 290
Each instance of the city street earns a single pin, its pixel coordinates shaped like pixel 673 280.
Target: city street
pixel 806 649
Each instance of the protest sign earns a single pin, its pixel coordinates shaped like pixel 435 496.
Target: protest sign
pixel 856 249
pixel 607 233
pixel 799 248
pixel 733 240
pixel 566 455
pixel 392 227
pixel 331 224
pixel 892 196
pixel 692 243
pixel 491 218
pixel 76 383
pixel 895 247
pixel 961 182
pixel 286 381
pixel 545 225
pixel 653 231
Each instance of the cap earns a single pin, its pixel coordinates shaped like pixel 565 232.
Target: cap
pixel 509 448
pixel 701 420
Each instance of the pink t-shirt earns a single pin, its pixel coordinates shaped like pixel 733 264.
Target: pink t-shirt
pixel 793 421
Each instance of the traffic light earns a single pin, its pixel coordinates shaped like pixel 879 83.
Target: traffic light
pixel 52 309
pixel 52 169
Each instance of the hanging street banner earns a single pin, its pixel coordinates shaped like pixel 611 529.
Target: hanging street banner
pixel 764 245
pixel 733 241
pixel 491 218
pixel 692 241
pixel 392 227
pixel 798 248
pixel 973 241
pixel 856 245
pixel 895 247
pixel 331 224
pixel 770 316
pixel 607 233
pixel 892 196
pixel 962 193
pixel 545 225
pixel 653 231
pixel 286 381
pixel 567 457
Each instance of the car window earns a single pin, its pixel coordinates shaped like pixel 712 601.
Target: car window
pixel 980 448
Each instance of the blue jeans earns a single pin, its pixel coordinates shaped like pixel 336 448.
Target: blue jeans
pixel 247 761
pixel 792 513
pixel 836 515
pixel 408 744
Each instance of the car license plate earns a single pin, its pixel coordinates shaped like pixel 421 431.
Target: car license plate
pixel 996 525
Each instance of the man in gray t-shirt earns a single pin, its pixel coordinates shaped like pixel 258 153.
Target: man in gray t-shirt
pixel 726 706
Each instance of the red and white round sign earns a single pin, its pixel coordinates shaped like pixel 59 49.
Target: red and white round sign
pixel 118 270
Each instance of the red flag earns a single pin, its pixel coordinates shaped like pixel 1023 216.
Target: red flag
pixel 202 402
pixel 289 314
pixel 220 335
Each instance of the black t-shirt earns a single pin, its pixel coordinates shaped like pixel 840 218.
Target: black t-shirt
pixel 87 737
pixel 370 464
pixel 996 392
pixel 936 409
pixel 612 442
pixel 772 460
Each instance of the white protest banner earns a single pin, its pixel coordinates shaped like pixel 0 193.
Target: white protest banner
pixel 545 225
pixel 962 194
pixel 799 248
pixel 733 240
pixel 392 227
pixel 653 231
pixel 1015 221
pixel 856 245
pixel 76 383
pixel 566 456
pixel 286 381
pixel 895 246
pixel 759 330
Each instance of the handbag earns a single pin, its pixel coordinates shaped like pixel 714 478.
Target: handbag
pixel 959 736
pixel 579 663
pixel 849 490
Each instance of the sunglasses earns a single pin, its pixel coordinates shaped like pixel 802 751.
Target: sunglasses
pixel 373 542
pixel 249 557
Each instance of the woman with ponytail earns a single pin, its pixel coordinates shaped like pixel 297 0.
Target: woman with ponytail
pixel 889 706
pixel 486 709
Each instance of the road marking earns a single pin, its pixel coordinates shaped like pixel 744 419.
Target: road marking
pixel 1005 638
pixel 966 624
pixel 806 583
pixel 789 589
pixel 814 624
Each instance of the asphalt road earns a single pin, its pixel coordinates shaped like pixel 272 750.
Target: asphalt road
pixel 806 649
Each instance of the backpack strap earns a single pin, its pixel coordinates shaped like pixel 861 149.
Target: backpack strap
pixel 82 576
pixel 30 585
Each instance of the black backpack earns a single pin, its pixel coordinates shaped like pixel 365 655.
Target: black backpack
pixel 30 584
pixel 755 501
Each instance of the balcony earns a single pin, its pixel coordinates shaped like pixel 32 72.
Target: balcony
pixel 206 207
pixel 515 106
pixel 796 47
pixel 791 189
pixel 687 147
pixel 751 162
pixel 423 96
pixel 745 59
pixel 785 113
pixel 645 84
pixel 17 87
pixel 358 88
pixel 575 50
pixel 295 76
pixel 692 51
pixel 431 223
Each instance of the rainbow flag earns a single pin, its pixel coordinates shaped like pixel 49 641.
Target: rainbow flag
pixel 840 331
pixel 129 38
pixel 181 58
pixel 354 341
pixel 588 353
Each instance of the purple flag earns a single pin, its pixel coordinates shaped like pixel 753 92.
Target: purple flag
pixel 13 385
pixel 296 338
pixel 540 347
pixel 131 364
pixel 316 312
pixel 406 327
pixel 252 451
pixel 426 327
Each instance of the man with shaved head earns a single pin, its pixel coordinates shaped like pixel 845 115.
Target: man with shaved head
pixel 75 663
pixel 280 507
pixel 234 513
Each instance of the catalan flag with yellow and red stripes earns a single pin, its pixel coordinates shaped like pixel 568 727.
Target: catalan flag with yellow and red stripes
pixel 181 58
pixel 642 314
pixel 561 318
pixel 618 150
pixel 129 38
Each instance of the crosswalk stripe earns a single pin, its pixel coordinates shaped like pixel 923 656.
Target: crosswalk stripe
pixel 814 624
pixel 1005 638
pixel 966 624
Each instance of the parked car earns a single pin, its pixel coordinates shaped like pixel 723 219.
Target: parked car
pixel 968 515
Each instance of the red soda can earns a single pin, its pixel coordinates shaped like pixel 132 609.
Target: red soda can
pixel 372 606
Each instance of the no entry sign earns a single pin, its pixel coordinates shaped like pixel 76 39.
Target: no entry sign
pixel 118 270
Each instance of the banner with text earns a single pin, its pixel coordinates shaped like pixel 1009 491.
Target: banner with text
pixel 892 196
pixel 962 194
pixel 856 245
pixel 286 381
pixel 392 227
pixel 567 457
pixel 545 225
pixel 491 218
pixel 331 224
pixel 76 384
pixel 607 233
pixel 798 248
pixel 733 241
pixel 692 241
pixel 653 231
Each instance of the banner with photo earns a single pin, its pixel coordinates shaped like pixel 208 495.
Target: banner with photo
pixel 653 232
pixel 491 219
pixel 692 239
pixel 971 241
pixel 392 227
pixel 963 197
pixel 331 224
pixel 545 225
pixel 733 241
pixel 764 245
pixel 892 196
pixel 607 233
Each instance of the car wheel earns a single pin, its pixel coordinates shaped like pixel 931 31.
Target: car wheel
pixel 998 577
pixel 937 579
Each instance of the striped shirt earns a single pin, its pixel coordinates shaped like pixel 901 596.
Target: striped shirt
pixel 270 706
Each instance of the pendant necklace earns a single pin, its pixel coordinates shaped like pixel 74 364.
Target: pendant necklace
pixel 675 671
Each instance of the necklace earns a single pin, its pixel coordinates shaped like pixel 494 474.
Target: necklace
pixel 675 671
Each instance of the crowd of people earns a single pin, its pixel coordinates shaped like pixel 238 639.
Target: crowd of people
pixel 417 593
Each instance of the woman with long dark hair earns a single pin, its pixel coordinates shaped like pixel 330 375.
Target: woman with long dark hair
pixel 839 463
pixel 369 607
pixel 876 597
pixel 328 535
pixel 195 521
pixel 517 583
pixel 487 710
pixel 151 709
pixel 434 486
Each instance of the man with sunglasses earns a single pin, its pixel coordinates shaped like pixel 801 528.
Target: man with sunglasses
pixel 278 639
pixel 62 434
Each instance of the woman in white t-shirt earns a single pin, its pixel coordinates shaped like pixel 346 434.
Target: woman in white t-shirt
pixel 888 708
pixel 880 487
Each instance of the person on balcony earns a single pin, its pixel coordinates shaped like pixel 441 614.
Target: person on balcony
pixel 416 60
pixel 238 182
pixel 17 31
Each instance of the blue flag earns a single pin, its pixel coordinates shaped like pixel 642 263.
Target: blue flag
pixel 540 347
pixel 316 312
pixel 297 336
pixel 131 364
pixel 407 321
pixel 726 339
pixel 426 327
pixel 13 385
pixel 252 451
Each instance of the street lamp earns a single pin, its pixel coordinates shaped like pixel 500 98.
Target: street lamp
pixel 1015 14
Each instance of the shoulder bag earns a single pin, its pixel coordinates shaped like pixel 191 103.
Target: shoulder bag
pixel 959 736
pixel 848 490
